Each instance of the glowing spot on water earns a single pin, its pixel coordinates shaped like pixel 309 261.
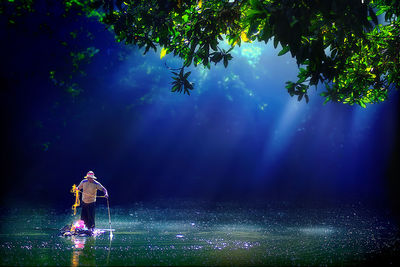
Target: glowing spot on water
pixel 180 236
pixel 316 230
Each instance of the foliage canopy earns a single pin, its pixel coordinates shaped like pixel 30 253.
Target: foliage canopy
pixel 350 46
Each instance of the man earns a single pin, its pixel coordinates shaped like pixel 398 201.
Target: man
pixel 89 187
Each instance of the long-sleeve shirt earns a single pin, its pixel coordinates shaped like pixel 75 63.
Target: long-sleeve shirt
pixel 90 190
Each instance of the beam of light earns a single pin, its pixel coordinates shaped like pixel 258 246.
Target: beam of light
pixel 183 125
pixel 150 103
pixel 284 130
pixel 362 120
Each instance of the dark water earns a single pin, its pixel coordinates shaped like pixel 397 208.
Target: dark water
pixel 188 233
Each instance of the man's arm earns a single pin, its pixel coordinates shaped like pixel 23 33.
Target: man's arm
pixel 80 186
pixel 105 192
pixel 102 188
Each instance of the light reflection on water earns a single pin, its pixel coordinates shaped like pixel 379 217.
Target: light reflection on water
pixel 188 235
pixel 317 230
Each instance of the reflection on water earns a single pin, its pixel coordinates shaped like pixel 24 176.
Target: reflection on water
pixel 316 230
pixel 79 242
pixel 83 251
pixel 195 234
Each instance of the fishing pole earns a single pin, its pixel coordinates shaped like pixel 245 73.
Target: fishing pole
pixel 111 234
pixel 109 218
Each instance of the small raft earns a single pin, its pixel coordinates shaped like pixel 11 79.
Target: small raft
pixel 79 229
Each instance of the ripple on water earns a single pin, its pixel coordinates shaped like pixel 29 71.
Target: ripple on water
pixel 188 235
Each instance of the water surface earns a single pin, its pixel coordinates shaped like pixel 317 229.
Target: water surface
pixel 188 233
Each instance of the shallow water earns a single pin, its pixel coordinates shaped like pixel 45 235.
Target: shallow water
pixel 189 233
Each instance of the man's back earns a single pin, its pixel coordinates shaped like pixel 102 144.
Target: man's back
pixel 89 190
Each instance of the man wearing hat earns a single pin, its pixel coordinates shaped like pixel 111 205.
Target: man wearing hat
pixel 89 187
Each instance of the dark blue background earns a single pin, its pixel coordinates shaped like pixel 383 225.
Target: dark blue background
pixel 239 136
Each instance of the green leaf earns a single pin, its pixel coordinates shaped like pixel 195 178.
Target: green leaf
pixel 327 99
pixel 214 46
pixel 225 62
pixel 300 97
pixel 380 12
pixel 373 15
pixel 175 88
pixel 284 50
pixel 276 42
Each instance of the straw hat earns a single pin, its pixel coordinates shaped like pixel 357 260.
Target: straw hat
pixel 90 174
